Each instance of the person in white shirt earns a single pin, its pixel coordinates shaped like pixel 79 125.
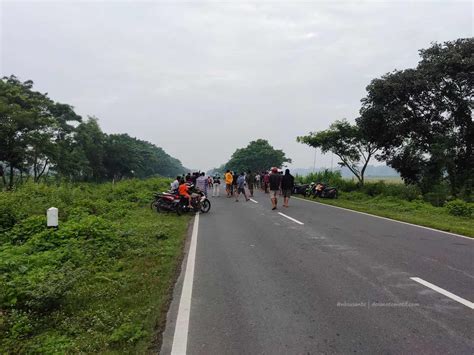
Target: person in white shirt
pixel 216 183
pixel 175 184
pixel 201 183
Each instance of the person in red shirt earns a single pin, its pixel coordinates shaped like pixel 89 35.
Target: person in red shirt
pixel 266 181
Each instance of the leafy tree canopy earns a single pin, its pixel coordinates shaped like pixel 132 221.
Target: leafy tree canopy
pixel 346 141
pixel 38 135
pixel 257 156
pixel 422 117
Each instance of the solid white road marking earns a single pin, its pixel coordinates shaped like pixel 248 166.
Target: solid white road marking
pixel 444 292
pixel 290 218
pixel 253 200
pixel 180 339
pixel 388 219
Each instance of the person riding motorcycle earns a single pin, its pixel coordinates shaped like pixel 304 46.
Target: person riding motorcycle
pixel 184 192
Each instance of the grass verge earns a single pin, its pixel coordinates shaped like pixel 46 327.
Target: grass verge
pixel 416 212
pixel 101 283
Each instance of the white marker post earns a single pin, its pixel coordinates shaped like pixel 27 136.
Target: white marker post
pixel 52 217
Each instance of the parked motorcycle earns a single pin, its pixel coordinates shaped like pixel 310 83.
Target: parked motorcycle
pixel 300 189
pixel 320 190
pixel 167 202
pixel 323 191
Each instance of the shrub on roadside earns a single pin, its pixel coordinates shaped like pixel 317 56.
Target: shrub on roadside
pixel 68 289
pixel 437 196
pixel 460 208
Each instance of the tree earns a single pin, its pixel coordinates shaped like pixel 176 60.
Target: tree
pixel 38 135
pixel 422 118
pixel 257 156
pixel 347 142
pixel 24 125
pixel 127 156
pixel 90 139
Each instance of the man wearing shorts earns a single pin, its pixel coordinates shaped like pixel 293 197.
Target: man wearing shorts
pixel 228 182
pixel 287 184
pixel 241 187
pixel 250 179
pixel 274 182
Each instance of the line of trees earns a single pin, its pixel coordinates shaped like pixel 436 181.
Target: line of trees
pixel 419 121
pixel 41 137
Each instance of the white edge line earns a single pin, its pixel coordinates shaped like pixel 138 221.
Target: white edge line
pixel 386 218
pixel 180 338
pixel 444 292
pixel 290 218
pixel 253 200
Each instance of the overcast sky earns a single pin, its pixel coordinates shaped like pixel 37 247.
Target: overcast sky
pixel 201 79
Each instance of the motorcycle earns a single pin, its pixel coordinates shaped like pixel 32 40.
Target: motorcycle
pixel 300 189
pixel 323 191
pixel 199 203
pixel 167 202
pixel 320 190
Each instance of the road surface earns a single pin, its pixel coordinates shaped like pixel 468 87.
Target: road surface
pixel 319 279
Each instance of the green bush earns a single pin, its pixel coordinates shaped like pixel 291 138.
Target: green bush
pixel 127 333
pixel 8 216
pixel 437 196
pixel 91 283
pixel 23 230
pixel 460 208
pixel 355 196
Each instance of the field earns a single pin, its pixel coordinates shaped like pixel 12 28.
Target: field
pixel 100 282
pixel 386 179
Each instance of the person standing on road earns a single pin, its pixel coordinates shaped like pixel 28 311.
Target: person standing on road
pixel 240 187
pixel 201 183
pixel 233 189
pixel 257 180
pixel 250 179
pixel 216 183
pixel 266 180
pixel 287 184
pixel 274 182
pixel 228 182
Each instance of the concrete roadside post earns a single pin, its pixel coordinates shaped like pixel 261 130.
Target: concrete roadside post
pixel 52 217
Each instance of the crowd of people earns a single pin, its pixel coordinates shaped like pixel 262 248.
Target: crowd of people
pixel 272 182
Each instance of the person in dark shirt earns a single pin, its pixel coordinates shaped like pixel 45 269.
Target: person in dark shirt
pixel 233 187
pixel 287 184
pixel 274 182
pixel 250 180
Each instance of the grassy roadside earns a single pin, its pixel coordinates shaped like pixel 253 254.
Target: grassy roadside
pixel 416 212
pixel 100 283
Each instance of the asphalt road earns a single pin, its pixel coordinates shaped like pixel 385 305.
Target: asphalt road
pixel 338 283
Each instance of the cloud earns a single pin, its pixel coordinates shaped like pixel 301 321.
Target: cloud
pixel 225 73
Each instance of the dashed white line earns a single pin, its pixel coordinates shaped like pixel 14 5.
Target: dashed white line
pixel 388 219
pixel 253 200
pixel 180 339
pixel 290 218
pixel 444 292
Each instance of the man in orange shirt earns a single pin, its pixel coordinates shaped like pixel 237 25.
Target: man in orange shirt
pixel 228 182
pixel 184 192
